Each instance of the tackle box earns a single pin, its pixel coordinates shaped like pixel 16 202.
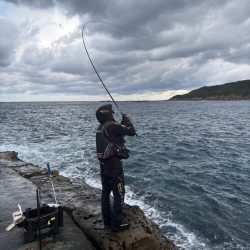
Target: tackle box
pixel 51 218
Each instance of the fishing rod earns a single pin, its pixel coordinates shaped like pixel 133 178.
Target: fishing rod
pixel 93 63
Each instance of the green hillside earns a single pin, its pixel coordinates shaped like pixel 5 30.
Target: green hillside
pixel 229 91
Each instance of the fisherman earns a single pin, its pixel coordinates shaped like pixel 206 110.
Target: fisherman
pixel 110 145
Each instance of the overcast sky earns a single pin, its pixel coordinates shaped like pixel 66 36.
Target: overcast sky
pixel 169 47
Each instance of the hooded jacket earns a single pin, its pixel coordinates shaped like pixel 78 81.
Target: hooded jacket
pixel 115 133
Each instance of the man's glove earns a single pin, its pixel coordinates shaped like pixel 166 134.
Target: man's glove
pixel 126 121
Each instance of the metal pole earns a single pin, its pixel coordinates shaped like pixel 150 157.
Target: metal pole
pixel 38 197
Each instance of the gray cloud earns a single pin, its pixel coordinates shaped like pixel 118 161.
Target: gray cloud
pixel 8 42
pixel 34 3
pixel 170 45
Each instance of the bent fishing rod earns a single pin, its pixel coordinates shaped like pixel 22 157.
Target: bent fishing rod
pixel 93 63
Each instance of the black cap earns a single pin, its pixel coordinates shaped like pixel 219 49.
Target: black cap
pixel 105 113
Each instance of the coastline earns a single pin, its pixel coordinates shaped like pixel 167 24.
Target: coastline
pixel 82 204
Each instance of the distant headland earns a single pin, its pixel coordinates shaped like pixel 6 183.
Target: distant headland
pixel 229 91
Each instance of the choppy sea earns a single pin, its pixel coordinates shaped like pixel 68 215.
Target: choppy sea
pixel 189 168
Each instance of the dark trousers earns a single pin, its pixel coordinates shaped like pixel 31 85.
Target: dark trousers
pixel 115 184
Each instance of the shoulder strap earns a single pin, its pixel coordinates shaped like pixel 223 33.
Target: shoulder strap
pixel 103 129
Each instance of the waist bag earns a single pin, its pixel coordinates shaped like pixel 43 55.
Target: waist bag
pixel 109 149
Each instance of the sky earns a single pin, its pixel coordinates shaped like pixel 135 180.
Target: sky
pixel 162 48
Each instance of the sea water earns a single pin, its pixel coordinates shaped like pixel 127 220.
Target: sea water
pixel 189 168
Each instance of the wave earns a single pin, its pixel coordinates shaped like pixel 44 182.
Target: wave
pixel 178 233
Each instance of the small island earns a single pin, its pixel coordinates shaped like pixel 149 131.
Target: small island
pixel 226 92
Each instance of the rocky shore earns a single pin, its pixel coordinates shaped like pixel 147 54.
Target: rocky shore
pixel 83 226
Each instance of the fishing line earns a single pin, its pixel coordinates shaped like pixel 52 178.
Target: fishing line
pixel 92 61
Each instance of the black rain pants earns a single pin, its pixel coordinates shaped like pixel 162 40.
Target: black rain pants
pixel 112 216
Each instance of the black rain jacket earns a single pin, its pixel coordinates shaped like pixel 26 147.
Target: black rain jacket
pixel 113 167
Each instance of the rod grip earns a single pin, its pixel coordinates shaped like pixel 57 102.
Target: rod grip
pixel 49 170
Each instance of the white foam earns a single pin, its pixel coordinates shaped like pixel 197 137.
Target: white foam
pixel 93 183
pixel 182 238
